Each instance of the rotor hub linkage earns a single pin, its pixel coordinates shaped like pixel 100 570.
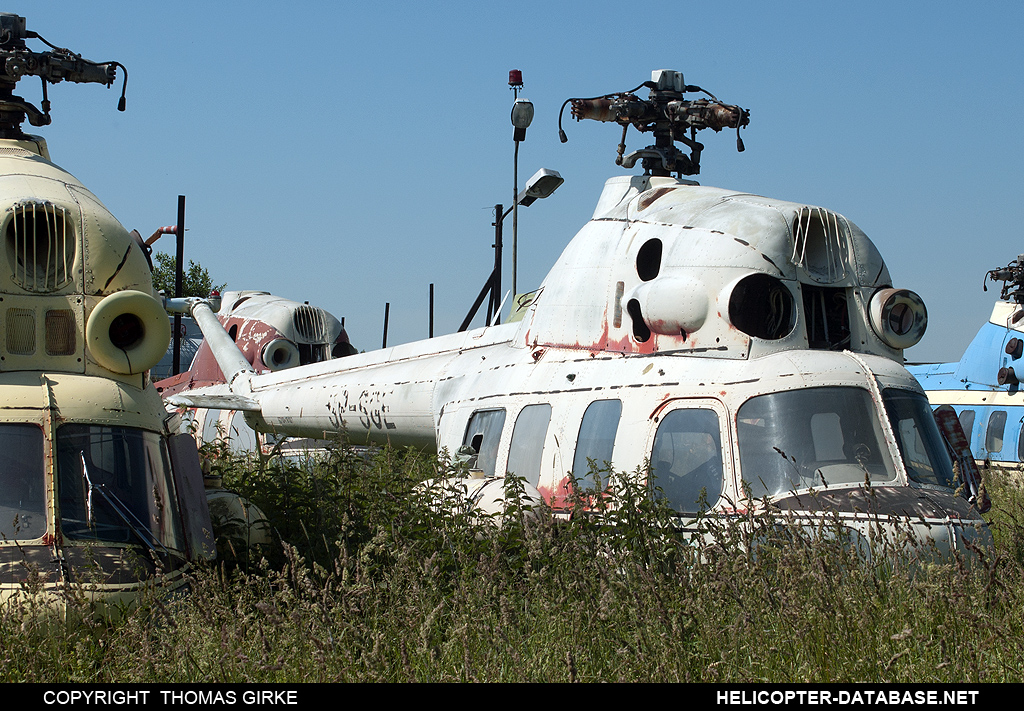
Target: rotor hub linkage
pixel 1012 276
pixel 59 64
pixel 668 116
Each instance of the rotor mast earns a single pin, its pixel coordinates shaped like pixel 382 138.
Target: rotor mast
pixel 666 114
pixel 18 61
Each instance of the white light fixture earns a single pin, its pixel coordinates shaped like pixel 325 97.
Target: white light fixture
pixel 522 117
pixel 543 183
pixel 898 317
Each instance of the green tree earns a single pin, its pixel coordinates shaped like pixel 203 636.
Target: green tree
pixel 196 281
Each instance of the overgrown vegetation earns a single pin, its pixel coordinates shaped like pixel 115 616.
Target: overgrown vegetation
pixel 382 584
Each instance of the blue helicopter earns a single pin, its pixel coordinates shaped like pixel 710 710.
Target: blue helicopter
pixel 983 388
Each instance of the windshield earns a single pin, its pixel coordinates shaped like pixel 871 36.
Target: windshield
pixel 917 435
pixel 817 437
pixel 22 485
pixel 115 485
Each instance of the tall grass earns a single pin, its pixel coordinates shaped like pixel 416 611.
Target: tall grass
pixel 378 583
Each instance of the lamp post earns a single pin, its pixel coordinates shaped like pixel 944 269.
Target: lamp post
pixel 544 182
pixel 522 117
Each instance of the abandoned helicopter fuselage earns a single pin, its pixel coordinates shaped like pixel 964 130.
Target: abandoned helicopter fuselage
pixel 744 348
pixel 96 487
pixel 273 334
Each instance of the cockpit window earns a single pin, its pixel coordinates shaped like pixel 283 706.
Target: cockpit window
pixel 115 485
pixel 686 461
pixel 917 435
pixel 817 437
pixel 22 485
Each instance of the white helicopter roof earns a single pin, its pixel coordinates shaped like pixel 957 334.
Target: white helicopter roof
pixel 670 252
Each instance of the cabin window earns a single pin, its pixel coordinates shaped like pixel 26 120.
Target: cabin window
pixel 115 485
pixel 213 430
pixel 242 437
pixel 967 424
pixel 815 437
pixel 22 484
pixel 483 434
pixel 596 442
pixel 994 436
pixel 917 436
pixel 1020 443
pixel 524 454
pixel 686 460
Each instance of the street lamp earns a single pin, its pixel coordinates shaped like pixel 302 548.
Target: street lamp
pixel 522 117
pixel 544 182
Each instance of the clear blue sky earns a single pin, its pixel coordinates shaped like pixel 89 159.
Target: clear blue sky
pixel 350 154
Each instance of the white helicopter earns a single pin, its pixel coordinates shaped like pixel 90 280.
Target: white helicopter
pixel 732 348
pixel 273 334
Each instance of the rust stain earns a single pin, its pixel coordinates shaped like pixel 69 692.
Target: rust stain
pixel 651 195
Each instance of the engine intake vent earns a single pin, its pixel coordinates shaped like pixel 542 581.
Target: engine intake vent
pixel 821 244
pixel 311 324
pixel 40 240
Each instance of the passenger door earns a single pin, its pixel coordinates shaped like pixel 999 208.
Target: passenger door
pixel 689 455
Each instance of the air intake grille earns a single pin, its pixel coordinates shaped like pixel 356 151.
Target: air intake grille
pixel 19 152
pixel 21 331
pixel 40 241
pixel 311 324
pixel 60 332
pixel 820 244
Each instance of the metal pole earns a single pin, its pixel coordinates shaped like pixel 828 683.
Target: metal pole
pixel 499 217
pixel 179 278
pixel 490 300
pixel 387 308
pixel 430 333
pixel 515 216
pixel 476 304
